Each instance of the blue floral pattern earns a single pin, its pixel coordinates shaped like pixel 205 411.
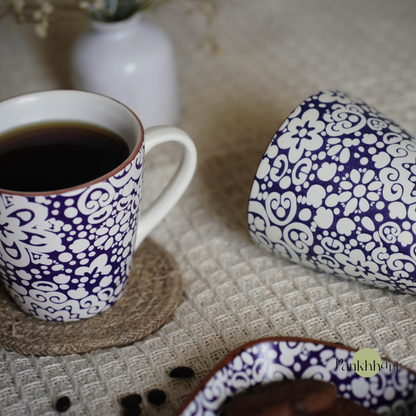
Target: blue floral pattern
pixel 390 392
pixel 335 191
pixel 67 256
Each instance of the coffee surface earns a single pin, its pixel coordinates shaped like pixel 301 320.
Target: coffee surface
pixel 53 156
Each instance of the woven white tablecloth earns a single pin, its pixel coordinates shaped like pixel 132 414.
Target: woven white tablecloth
pixel 274 53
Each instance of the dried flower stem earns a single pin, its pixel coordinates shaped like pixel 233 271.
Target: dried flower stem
pixel 41 12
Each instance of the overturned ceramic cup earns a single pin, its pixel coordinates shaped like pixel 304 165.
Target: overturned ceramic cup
pixel 336 191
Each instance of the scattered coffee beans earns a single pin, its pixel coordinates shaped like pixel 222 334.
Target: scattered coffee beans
pixel 63 404
pixel 156 397
pixel 131 400
pixel 182 372
pixel 132 411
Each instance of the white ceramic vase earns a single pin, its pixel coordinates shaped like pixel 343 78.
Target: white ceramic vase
pixel 133 62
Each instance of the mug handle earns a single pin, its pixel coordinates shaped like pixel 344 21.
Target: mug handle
pixel 177 185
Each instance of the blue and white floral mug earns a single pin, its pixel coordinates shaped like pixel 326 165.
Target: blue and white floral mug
pixel 66 255
pixel 336 191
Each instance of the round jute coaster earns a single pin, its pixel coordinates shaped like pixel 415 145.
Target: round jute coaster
pixel 153 291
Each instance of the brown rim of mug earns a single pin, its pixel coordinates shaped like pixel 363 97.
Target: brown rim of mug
pixel 249 344
pixel 131 157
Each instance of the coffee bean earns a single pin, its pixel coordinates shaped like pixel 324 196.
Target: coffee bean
pixel 63 404
pixel 132 411
pixel 182 372
pixel 156 397
pixel 131 400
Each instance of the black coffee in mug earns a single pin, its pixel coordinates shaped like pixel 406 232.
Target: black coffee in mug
pixel 57 155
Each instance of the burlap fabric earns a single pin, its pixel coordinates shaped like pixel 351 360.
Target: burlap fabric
pixel 274 54
pixel 153 291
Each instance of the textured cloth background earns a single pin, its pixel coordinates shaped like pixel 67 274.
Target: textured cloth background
pixel 274 53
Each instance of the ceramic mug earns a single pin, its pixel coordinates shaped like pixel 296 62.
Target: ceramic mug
pixel 336 191
pixel 65 255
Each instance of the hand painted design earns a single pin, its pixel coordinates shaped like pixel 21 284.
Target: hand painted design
pixel 302 134
pixel 336 191
pixel 389 392
pixel 24 229
pixel 72 253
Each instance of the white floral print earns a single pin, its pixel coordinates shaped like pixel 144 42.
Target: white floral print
pixel 66 257
pixel 358 191
pixel 336 190
pixel 26 233
pixel 302 135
